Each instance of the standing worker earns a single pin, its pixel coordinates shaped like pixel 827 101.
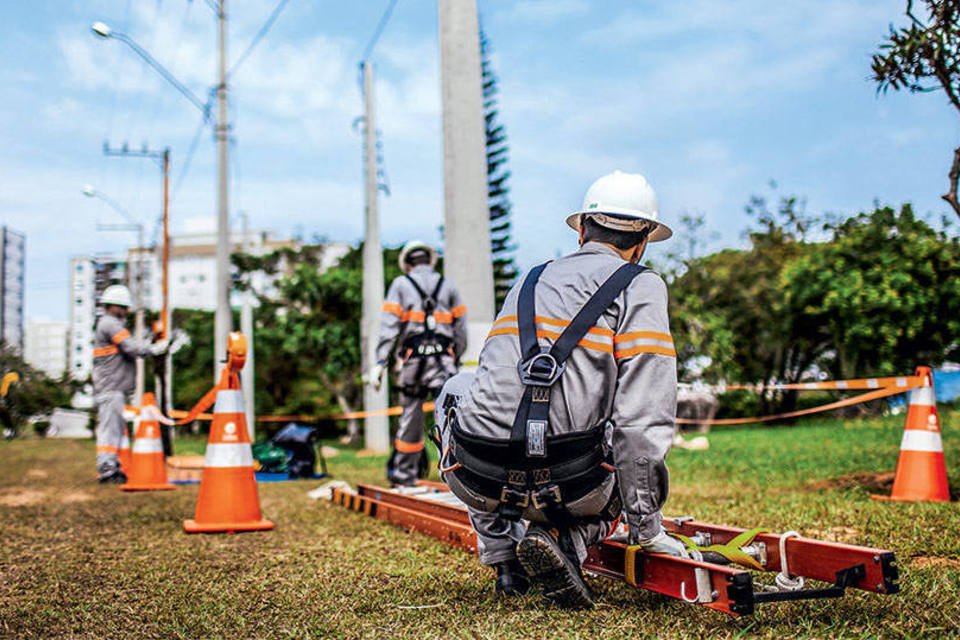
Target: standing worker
pixel 424 326
pixel 570 415
pixel 114 377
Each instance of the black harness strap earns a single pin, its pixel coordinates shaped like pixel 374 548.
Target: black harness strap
pixel 541 367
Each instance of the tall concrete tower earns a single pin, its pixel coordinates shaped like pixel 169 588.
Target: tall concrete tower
pixel 466 219
pixel 376 428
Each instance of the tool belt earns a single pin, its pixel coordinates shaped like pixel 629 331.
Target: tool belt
pixel 500 471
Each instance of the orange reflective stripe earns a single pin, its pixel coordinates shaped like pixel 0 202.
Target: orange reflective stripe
pixel 120 336
pixel 459 312
pixel 408 447
pixel 646 348
pixel 442 317
pixel 542 333
pixel 106 448
pixel 413 316
pixel 643 335
pixel 392 307
pixel 556 322
pixel 103 352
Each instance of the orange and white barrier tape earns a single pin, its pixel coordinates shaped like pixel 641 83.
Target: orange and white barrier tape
pixel 876 388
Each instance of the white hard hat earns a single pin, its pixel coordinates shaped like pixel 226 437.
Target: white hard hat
pixel 116 294
pixel 628 201
pixel 412 246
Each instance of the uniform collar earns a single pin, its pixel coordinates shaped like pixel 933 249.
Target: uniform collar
pixel 594 248
pixel 421 268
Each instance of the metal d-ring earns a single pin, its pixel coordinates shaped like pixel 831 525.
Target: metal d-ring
pixel 553 364
pixel 683 594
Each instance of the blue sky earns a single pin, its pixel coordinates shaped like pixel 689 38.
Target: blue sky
pixel 710 100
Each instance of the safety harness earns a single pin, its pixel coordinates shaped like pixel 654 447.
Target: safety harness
pixel 427 344
pixel 534 467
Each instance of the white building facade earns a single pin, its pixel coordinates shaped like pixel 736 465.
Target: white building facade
pixel 192 280
pixel 12 258
pixel 45 346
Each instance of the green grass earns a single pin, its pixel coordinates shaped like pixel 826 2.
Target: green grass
pixel 79 559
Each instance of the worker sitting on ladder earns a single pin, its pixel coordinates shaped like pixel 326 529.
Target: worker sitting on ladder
pixel 570 415
pixel 114 376
pixel 424 321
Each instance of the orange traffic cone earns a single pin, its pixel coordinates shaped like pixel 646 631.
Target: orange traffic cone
pixel 123 453
pixel 228 500
pixel 921 470
pixel 148 469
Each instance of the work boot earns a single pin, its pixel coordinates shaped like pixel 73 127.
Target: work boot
pixel 512 580
pixel 559 575
pixel 117 477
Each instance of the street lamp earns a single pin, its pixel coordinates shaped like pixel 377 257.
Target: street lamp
pixel 222 317
pixel 132 225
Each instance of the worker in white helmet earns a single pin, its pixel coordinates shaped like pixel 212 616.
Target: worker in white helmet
pixel 424 327
pixel 114 376
pixel 570 415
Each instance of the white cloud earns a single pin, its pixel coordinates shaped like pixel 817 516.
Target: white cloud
pixel 544 11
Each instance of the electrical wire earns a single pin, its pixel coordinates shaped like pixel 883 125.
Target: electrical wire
pixel 258 37
pixel 378 31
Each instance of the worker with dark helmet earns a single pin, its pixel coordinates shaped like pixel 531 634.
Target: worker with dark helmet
pixel 568 420
pixel 424 327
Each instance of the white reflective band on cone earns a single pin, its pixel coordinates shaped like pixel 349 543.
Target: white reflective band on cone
pixel 148 445
pixel 923 397
pixel 229 401
pixel 914 440
pixel 229 455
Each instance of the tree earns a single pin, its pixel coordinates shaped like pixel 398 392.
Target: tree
pixel 729 307
pixel 34 393
pixel 498 191
pixel 883 294
pixel 922 57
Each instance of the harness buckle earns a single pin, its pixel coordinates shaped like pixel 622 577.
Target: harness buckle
pixel 519 499
pixel 542 370
pixel 547 497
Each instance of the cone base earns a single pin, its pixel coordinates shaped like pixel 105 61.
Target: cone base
pixel 908 499
pixel 192 526
pixel 148 487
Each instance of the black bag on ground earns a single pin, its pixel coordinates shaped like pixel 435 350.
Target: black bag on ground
pixel 300 443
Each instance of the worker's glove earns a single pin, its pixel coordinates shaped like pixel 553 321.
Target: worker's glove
pixel 159 347
pixel 374 376
pixel 666 544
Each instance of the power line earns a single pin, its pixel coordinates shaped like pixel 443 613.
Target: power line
pixel 384 19
pixel 258 37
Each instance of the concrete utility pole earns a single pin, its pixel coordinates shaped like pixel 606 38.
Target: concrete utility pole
pixel 247 378
pixel 466 216
pixel 377 428
pixel 222 321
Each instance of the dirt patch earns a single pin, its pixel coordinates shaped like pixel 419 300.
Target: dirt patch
pixel 37 474
pixel 932 562
pixel 71 497
pixel 21 497
pixel 873 482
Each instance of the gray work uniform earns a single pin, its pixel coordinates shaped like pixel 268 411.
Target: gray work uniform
pixel 622 376
pixel 403 317
pixel 114 377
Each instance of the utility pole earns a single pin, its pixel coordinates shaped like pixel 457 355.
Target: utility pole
pixel 222 321
pixel 139 330
pixel 247 380
pixel 466 215
pixel 377 428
